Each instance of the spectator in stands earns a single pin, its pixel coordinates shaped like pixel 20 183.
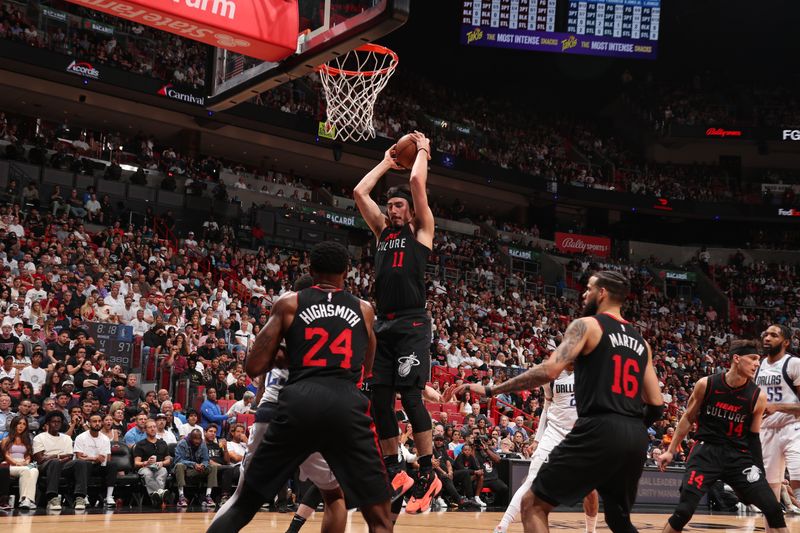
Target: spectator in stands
pixel 95 448
pixel 108 428
pixel 191 422
pixel 6 414
pixel 234 451
pixel 132 391
pixel 25 410
pixel 210 413
pixel 17 451
pixel 53 453
pixel 151 459
pixel 471 484
pixel 191 460
pixel 162 432
pixel 443 465
pixel 243 406
pixel 137 432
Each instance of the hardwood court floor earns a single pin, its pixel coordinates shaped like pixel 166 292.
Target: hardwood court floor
pixel 450 522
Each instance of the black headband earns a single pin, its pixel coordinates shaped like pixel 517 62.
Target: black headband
pixel 400 193
pixel 744 350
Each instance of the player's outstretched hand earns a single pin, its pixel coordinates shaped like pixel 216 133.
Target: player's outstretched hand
pixel 663 460
pixel 451 391
pixel 389 157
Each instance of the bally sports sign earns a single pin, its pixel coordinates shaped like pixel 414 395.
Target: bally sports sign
pixel 574 243
pixel 264 29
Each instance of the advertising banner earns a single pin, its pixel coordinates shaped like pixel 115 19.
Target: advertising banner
pixel 264 29
pixel 574 243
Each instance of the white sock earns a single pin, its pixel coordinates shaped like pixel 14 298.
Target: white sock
pixel 591 523
pixel 796 493
pixel 109 492
pixel 180 492
pixel 208 491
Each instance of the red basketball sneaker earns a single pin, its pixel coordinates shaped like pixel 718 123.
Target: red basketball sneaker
pixel 425 490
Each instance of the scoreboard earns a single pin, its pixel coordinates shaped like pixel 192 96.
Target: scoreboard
pixel 615 28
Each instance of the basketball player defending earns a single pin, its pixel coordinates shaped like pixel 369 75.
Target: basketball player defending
pixel 617 397
pixel 779 378
pixel 402 328
pixel 329 346
pixel 558 417
pixel 727 409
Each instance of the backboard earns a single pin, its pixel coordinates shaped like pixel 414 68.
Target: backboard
pixel 328 28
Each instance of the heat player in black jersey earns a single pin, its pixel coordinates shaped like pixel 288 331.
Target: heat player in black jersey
pixel 402 328
pixel 329 346
pixel 727 409
pixel 616 395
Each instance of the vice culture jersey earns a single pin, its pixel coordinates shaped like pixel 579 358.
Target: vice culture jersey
pixel 562 412
pixel 726 413
pixel 328 337
pixel 779 381
pixel 609 379
pixel 400 262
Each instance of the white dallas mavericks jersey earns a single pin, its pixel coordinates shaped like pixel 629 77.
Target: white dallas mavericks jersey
pixel 275 380
pixel 562 412
pixel 778 380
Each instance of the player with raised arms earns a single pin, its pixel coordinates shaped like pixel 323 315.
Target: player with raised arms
pixel 402 328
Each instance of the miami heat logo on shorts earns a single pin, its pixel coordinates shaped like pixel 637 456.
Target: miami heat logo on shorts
pixel 753 474
pixel 406 363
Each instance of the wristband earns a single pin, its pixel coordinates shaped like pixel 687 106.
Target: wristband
pixel 488 392
pixel 423 150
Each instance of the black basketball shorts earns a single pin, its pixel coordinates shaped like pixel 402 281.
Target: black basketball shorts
pixel 403 356
pixel 709 463
pixel 604 452
pixel 326 416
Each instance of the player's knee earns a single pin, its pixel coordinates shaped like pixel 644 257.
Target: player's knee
pixel 415 409
pixel 684 511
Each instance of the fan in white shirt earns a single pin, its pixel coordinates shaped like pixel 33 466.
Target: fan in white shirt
pixel 95 448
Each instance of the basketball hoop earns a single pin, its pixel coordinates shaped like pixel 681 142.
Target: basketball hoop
pixel 352 82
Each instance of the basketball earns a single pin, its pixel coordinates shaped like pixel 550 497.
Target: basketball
pixel 405 152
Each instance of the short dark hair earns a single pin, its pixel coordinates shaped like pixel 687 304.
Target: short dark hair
pixel 617 285
pixel 303 282
pixel 190 412
pixel 744 347
pixel 329 257
pixel 786 332
pixel 401 191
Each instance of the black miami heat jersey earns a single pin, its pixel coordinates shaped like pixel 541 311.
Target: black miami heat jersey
pixel 400 262
pixel 328 337
pixel 726 413
pixel 609 378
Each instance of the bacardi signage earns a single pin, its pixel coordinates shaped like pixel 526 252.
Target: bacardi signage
pixel 573 243
pixel 171 92
pixel 81 68
pixel 264 29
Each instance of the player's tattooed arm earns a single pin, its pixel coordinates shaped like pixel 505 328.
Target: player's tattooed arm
pixel 788 408
pixel 570 348
pixel 262 355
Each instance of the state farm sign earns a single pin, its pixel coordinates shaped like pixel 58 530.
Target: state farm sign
pixel 264 29
pixel 573 243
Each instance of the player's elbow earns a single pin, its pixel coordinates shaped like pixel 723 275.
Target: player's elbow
pixel 551 371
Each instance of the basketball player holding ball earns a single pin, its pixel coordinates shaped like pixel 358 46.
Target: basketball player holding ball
pixel 402 326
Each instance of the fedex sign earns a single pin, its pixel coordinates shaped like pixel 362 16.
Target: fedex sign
pixel 264 29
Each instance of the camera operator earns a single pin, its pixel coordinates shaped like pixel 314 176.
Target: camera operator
pixel 482 460
pixel 443 466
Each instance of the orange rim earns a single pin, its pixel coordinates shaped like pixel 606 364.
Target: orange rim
pixel 369 47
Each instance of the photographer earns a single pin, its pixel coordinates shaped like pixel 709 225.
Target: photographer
pixel 477 457
pixel 443 466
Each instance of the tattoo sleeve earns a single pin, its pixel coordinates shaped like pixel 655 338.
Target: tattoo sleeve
pixel 565 354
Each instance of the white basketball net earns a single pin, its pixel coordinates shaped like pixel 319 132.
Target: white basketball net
pixel 352 83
